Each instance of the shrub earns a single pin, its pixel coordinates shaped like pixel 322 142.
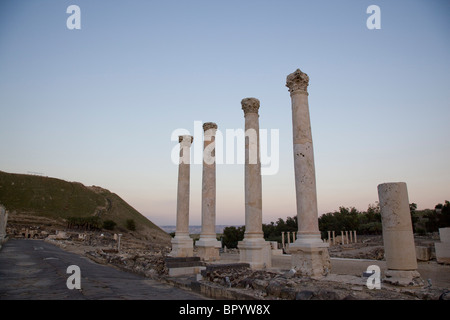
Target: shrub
pixel 131 225
pixel 109 224
pixel 232 235
pixel 86 223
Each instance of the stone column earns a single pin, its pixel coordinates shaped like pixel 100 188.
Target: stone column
pixel 282 240
pixel 253 249
pixel 288 233
pixel 398 238
pixel 354 236
pixel 346 236
pixel 208 246
pixel 182 243
pixel 351 236
pixel 3 222
pixel 329 236
pixel 334 237
pixel 309 252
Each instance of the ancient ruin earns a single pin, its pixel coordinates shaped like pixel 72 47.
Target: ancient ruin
pixel 254 250
pixel 443 247
pixel 207 245
pixel 309 253
pixel 3 222
pixel 398 238
pixel 182 244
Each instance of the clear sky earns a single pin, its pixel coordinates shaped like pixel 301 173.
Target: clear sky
pixel 99 105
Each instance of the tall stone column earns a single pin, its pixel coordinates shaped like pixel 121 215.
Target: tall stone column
pixel 208 246
pixel 309 253
pixel 182 243
pixel 398 238
pixel 253 249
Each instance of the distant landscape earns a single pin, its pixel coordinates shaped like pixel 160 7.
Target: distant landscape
pixel 32 199
pixel 194 229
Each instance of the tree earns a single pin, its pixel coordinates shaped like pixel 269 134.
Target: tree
pixel 232 235
pixel 351 219
pixel 414 216
pixel 445 215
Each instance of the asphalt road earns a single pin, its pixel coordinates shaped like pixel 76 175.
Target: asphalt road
pixel 37 270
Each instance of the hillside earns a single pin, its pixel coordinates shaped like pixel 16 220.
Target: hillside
pixel 50 199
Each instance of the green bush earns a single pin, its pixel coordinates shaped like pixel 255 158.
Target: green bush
pixel 131 225
pixel 232 235
pixel 109 224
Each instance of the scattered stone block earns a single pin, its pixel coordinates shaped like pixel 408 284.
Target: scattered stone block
pixel 443 247
pixel 288 293
pixel 258 284
pixel 423 253
pixel 304 295
pixel 184 266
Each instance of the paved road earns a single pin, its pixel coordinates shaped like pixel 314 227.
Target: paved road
pixel 34 269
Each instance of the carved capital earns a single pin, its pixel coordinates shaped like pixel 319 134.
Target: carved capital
pixel 250 105
pixel 209 125
pixel 297 82
pixel 186 140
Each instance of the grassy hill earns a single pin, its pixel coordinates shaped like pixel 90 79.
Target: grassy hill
pixel 59 200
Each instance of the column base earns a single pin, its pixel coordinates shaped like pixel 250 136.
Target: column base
pixel 310 257
pixel 403 278
pixel 182 246
pixel 208 249
pixel 256 252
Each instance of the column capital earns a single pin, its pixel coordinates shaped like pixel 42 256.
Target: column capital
pixel 297 82
pixel 209 125
pixel 250 105
pixel 186 140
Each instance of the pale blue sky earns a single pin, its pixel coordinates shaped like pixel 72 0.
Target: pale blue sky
pixel 98 105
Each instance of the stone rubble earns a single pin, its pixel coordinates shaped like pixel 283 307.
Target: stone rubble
pixel 271 285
